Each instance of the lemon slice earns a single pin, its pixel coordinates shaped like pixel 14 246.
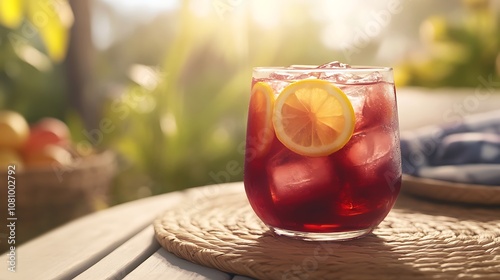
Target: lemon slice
pixel 260 127
pixel 313 118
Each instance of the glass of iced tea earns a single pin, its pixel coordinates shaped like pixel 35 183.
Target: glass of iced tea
pixel 322 158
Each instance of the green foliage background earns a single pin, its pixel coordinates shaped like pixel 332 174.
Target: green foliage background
pixel 456 51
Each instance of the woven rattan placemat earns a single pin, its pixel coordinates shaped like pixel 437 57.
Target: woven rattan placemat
pixel 216 227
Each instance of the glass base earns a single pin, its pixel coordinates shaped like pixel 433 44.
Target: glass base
pixel 322 236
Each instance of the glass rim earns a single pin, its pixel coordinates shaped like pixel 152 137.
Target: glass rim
pixel 313 68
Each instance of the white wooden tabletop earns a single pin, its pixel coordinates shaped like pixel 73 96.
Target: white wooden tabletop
pixel 116 243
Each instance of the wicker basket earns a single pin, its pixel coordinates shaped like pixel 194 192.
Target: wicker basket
pixel 49 197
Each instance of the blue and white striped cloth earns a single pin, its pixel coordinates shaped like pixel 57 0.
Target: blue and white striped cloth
pixel 465 152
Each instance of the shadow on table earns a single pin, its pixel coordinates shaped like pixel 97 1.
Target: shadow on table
pixel 279 257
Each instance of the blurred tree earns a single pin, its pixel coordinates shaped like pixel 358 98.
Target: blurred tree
pixel 456 53
pixel 80 65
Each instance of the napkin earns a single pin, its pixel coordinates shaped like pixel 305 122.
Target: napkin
pixel 465 151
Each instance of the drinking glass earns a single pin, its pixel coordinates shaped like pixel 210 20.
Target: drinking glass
pixel 322 158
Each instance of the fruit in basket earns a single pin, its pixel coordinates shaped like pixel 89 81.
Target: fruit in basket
pixel 10 157
pixel 48 143
pixel 49 155
pixel 45 143
pixel 47 131
pixel 14 130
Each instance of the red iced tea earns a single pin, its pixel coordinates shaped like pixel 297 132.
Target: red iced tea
pixel 344 193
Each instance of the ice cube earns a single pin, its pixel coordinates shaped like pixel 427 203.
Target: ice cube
pixel 334 64
pixel 380 103
pixel 352 78
pixel 378 106
pixel 368 146
pixel 278 85
pixel 370 164
pixel 373 77
pixel 339 78
pixel 310 75
pixel 292 76
pixel 296 179
pixel 286 76
pixel 356 95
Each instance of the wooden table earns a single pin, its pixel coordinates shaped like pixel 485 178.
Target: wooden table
pixel 116 243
